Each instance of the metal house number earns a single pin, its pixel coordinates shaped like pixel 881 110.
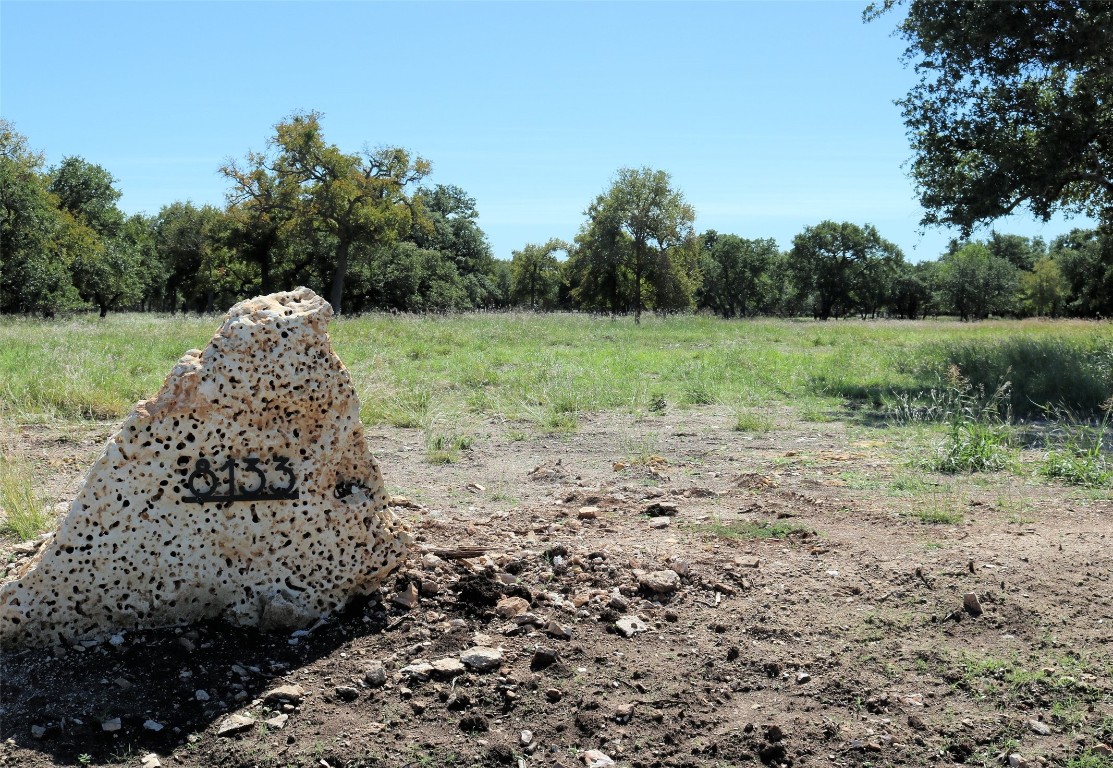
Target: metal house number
pixel 204 482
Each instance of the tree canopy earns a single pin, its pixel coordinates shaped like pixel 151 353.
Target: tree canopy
pixel 637 247
pixel 65 246
pixel 843 267
pixel 1014 107
pixel 359 198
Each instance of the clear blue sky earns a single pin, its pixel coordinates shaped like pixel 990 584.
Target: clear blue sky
pixel 769 116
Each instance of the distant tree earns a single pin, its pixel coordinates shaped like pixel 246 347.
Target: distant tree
pixel 109 275
pixel 36 243
pixel 843 267
pixel 536 274
pixel 975 283
pixel 261 209
pixel 1044 289
pixel 88 193
pixel 188 242
pixel 637 248
pixel 783 297
pixel 407 278
pixel 735 273
pixel 1021 252
pixel 1013 107
pixel 356 198
pixel 106 265
pixel 448 222
pixel 139 231
pixel 911 294
pixel 503 278
pixel 1085 258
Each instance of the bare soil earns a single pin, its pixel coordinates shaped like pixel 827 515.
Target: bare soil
pixel 832 631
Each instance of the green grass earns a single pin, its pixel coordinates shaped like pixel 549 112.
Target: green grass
pixel 937 509
pixel 1080 456
pixel 748 421
pixel 550 370
pixel 973 446
pixel 748 529
pixel 445 440
pixel 23 512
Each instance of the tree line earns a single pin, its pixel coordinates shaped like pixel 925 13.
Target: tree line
pixel 362 229
pixel 1012 110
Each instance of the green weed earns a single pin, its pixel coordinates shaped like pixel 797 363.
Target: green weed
pixel 1088 759
pixel 908 485
pixel 748 421
pixel 23 510
pixel 444 447
pixel 1080 458
pixel 978 438
pixel 747 529
pixel 937 509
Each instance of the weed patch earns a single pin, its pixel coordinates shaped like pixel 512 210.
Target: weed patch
pixel 443 445
pixel 748 529
pixel 23 511
pixel 1079 457
pixel 978 438
pixel 748 421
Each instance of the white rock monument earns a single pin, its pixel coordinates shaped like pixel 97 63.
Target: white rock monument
pixel 244 489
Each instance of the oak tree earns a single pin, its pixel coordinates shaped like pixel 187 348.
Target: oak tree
pixel 356 198
pixel 1013 109
pixel 637 247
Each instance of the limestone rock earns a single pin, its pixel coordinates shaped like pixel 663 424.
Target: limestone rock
pixel 293 694
pixel 234 724
pixel 481 659
pixel 660 582
pixel 243 489
pixel 509 607
pixel 628 626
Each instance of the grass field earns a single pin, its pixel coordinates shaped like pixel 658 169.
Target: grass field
pixel 837 489
pixel 547 369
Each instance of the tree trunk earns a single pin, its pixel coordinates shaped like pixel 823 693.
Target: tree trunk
pixel 337 293
pixel 637 291
pixel 265 270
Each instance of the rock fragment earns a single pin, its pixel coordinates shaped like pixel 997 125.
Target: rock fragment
pixel 292 694
pixel 233 725
pixel 278 722
pixel 660 582
pixel 481 659
pixel 593 758
pixel 375 675
pixel 662 509
pixel 628 626
pixel 1039 728
pixel 347 693
pixel 448 668
pixel 509 607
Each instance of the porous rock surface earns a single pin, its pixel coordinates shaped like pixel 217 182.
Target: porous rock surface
pixel 158 536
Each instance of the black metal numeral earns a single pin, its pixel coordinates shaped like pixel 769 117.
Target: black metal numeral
pixel 203 482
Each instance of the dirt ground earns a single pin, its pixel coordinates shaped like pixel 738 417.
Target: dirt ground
pixel 786 605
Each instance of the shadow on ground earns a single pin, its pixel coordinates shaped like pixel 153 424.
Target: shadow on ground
pixel 59 701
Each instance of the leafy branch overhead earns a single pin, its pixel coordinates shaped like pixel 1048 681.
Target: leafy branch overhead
pixel 1013 108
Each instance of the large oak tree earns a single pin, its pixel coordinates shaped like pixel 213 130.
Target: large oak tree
pixel 637 247
pixel 362 198
pixel 1013 109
